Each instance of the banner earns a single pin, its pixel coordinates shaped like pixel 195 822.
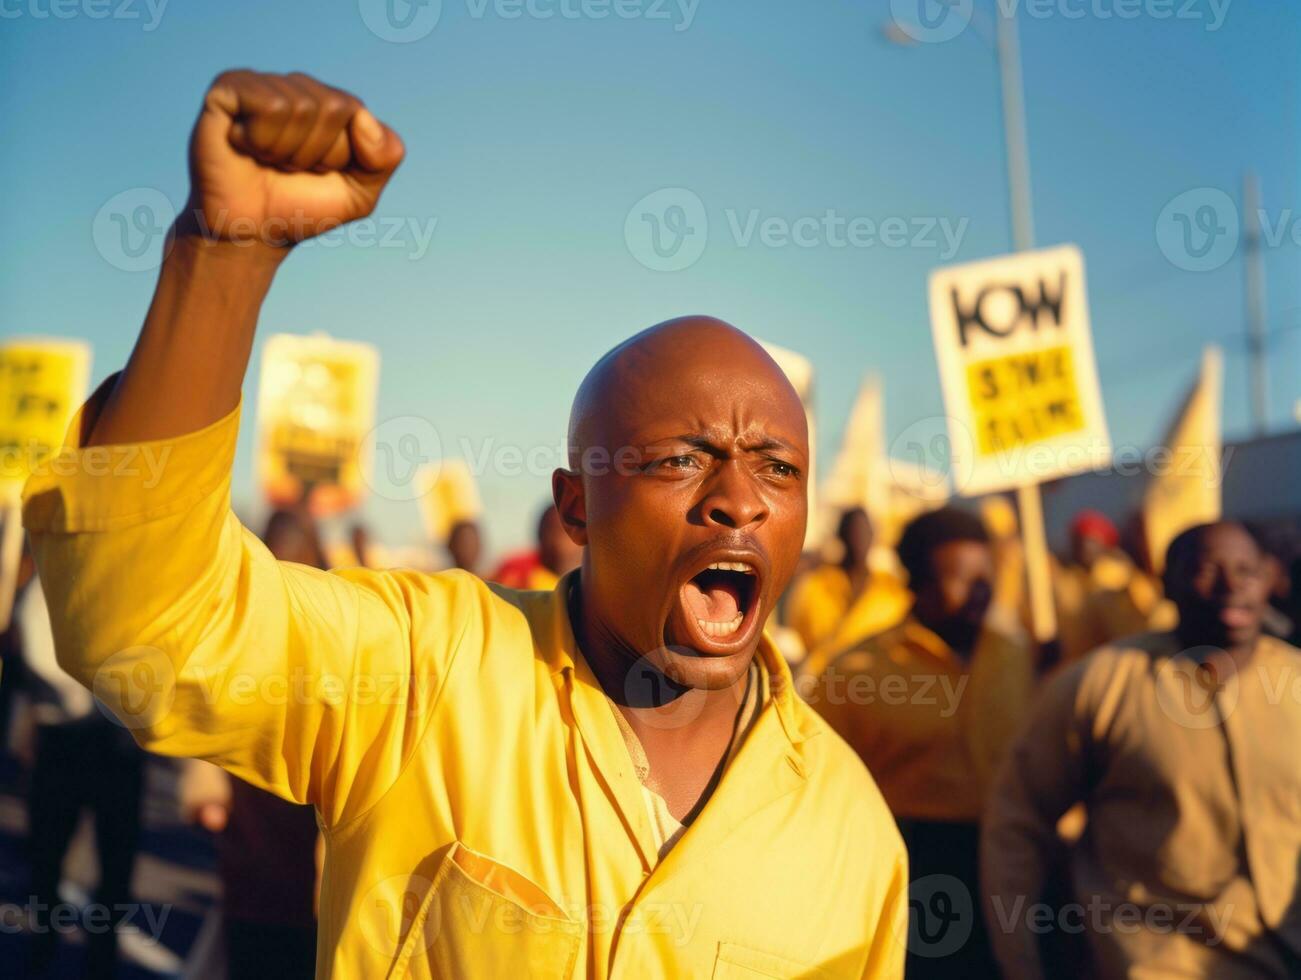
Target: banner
pixel 1188 494
pixel 448 496
pixel 799 371
pixel 316 403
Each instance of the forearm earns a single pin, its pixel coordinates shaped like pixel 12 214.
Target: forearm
pixel 188 365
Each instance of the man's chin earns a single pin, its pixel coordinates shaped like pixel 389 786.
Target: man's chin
pixel 708 672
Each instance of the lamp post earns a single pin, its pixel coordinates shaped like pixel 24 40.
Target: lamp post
pixel 1007 52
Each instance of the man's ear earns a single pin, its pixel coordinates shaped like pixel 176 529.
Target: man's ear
pixel 571 504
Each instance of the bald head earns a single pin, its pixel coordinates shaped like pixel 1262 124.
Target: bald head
pixel 661 363
pixel 687 487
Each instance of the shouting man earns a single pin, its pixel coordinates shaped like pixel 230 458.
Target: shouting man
pixel 614 779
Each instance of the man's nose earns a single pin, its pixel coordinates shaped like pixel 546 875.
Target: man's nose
pixel 733 500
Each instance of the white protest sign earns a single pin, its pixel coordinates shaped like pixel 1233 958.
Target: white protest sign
pixel 1017 369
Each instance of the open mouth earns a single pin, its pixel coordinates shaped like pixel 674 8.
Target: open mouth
pixel 1236 617
pixel 719 603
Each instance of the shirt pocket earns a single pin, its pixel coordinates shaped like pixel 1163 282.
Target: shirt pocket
pixel 743 963
pixel 483 919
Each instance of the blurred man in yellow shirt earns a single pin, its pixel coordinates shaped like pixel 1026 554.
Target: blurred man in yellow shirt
pixel 1101 595
pixel 613 779
pixel 931 706
pixel 1182 746
pixel 835 604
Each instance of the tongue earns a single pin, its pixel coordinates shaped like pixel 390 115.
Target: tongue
pixel 718 602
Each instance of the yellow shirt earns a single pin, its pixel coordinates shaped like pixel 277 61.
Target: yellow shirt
pixel 1096 606
pixel 480 811
pixel 1189 865
pixel 829 617
pixel 931 729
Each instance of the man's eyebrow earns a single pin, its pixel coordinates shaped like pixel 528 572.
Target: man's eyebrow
pixel 709 444
pixel 767 445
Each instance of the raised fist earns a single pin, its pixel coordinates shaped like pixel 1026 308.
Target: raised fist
pixel 280 158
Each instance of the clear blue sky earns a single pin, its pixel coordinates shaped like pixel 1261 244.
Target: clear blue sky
pixel 529 139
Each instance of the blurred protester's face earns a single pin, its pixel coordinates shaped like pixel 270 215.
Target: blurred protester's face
pixel 1087 548
pixel 464 545
pixel 954 600
pixel 289 540
pixel 714 462
pixel 1220 588
pixel 856 536
pixel 558 553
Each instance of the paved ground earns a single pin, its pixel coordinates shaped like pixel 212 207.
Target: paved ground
pixel 174 879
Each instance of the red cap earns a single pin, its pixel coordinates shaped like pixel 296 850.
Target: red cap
pixel 1092 524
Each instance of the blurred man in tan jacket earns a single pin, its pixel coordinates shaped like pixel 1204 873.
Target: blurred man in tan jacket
pixel 1183 748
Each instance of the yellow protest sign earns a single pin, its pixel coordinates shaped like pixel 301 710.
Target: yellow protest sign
pixel 316 403
pixel 42 384
pixel 1017 368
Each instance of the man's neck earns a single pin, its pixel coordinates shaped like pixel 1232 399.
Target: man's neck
pixel 1239 654
pixel 857 572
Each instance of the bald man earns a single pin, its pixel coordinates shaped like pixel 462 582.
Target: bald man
pixel 1182 746
pixel 612 779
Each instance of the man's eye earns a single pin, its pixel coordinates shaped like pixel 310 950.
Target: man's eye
pixel 685 462
pixel 783 470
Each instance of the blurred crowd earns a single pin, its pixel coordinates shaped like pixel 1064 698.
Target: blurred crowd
pixel 1135 776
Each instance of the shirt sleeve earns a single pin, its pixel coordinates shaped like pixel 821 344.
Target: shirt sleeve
pixel 1001 682
pixel 889 948
pixel 1040 778
pixel 315 686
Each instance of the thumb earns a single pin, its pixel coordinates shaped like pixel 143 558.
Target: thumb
pixel 375 147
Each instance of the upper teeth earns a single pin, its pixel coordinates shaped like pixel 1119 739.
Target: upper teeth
pixel 733 566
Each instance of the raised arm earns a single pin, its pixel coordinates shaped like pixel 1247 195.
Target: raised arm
pixel 315 686
pixel 274 160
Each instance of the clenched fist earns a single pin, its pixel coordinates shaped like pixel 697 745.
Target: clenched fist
pixel 281 158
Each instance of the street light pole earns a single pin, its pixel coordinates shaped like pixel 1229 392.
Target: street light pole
pixel 1029 504
pixel 1007 51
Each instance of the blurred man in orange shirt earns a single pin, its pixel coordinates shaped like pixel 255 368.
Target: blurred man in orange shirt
pixel 541 568
pixel 931 705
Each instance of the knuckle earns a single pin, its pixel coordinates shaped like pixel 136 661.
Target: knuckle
pixel 276 106
pixel 334 104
